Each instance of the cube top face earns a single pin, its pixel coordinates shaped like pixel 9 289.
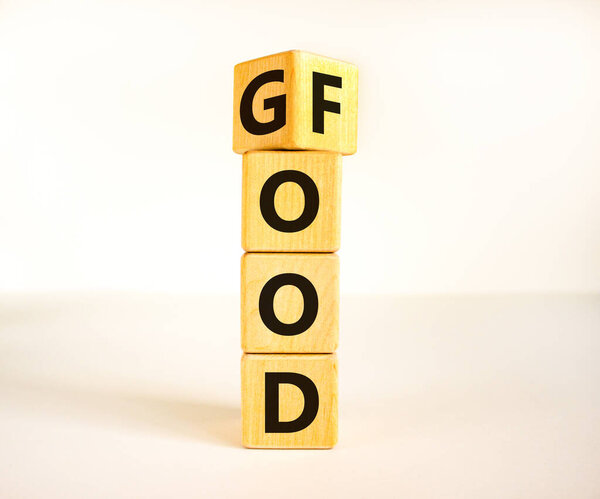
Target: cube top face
pixel 289 401
pixel 290 303
pixel 291 201
pixel 297 101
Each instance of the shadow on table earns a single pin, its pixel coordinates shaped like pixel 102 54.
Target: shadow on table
pixel 207 421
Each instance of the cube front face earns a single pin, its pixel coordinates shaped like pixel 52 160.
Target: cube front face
pixel 295 100
pixel 289 303
pixel 262 98
pixel 291 201
pixel 289 401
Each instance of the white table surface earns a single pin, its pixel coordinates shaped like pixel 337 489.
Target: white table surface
pixel 137 395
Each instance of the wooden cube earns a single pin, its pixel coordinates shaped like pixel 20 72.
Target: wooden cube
pixel 295 100
pixel 291 201
pixel 290 302
pixel 289 401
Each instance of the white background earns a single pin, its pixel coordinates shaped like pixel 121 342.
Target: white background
pixel 477 168
pixel 478 172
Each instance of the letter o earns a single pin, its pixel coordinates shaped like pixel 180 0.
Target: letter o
pixel 267 312
pixel 311 201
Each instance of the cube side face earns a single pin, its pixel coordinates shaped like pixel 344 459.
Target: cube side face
pixel 326 104
pixel 291 202
pixel 283 388
pixel 290 303
pixel 259 84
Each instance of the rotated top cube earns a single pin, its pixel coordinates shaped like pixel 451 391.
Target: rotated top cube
pixel 296 101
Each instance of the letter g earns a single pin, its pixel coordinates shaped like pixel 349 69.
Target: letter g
pixel 277 103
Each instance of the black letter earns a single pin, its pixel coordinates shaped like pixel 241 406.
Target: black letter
pixel 311 201
pixel 311 304
pixel 320 105
pixel 276 103
pixel 311 402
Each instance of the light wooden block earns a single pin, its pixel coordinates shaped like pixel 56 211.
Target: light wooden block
pixel 299 422
pixel 291 201
pixel 295 100
pixel 290 302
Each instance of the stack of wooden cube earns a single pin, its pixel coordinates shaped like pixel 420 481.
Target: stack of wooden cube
pixel 294 118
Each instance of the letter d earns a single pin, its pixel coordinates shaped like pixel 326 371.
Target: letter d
pixel 311 402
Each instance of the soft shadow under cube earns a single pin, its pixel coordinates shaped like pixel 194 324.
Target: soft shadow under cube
pixel 295 100
pixel 291 201
pixel 289 401
pixel 290 302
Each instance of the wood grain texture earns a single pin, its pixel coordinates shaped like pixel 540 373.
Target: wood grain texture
pixel 339 132
pixel 322 270
pixel 323 234
pixel 322 371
